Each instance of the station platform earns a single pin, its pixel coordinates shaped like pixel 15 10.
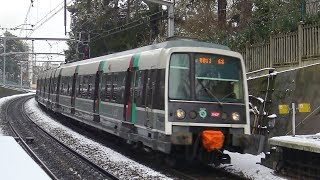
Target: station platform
pixel 310 143
pixel 295 156
pixel 16 164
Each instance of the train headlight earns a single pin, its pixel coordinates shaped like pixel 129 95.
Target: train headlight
pixel 180 114
pixel 235 116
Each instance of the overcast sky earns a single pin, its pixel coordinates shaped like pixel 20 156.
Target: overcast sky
pixel 13 14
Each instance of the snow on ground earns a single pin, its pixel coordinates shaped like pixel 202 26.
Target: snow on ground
pixel 241 164
pixel 5 99
pixel 106 157
pixel 246 165
pixel 16 163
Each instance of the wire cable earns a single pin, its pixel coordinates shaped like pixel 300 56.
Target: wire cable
pixel 46 20
pixel 121 29
pixel 26 18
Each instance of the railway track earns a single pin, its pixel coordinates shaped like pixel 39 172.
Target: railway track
pixel 57 159
pixel 188 172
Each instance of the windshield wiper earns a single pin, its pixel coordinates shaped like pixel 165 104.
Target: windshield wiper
pixel 209 92
pixel 232 93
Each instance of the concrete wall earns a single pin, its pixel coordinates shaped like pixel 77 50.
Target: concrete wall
pixel 301 85
pixel 8 92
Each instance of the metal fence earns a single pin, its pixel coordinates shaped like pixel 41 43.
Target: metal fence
pixel 285 49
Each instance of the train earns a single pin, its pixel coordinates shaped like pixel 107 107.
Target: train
pixel 181 97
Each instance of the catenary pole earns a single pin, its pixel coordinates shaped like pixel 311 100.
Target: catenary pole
pixel 170 6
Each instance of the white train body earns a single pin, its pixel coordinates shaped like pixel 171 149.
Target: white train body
pixel 163 96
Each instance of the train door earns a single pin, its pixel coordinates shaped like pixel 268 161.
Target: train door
pixel 129 112
pixel 58 90
pixel 73 92
pixel 96 97
pixel 150 94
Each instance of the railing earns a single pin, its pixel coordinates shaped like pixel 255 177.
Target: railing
pixel 312 7
pixel 311 42
pixel 285 49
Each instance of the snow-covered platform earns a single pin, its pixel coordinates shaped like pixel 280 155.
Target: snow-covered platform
pixel 15 163
pixel 310 143
pixel 297 157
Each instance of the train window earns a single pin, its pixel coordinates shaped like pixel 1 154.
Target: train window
pixel 114 90
pixel 65 86
pixel 158 102
pixel 79 86
pixel 138 89
pixel 103 87
pixel 69 88
pixel 218 78
pixel 84 89
pixel 153 95
pixel 62 84
pixel 179 76
pixel 108 86
pixel 90 94
pixel 53 86
pixel 121 87
pixel 96 88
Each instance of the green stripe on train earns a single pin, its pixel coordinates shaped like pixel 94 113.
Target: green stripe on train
pixel 134 106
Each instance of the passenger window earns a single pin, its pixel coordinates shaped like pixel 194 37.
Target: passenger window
pixel 179 77
pixel 89 94
pixel 139 88
pixel 103 87
pixel 108 87
pixel 114 87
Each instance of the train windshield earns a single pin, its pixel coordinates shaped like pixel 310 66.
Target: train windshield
pixel 211 77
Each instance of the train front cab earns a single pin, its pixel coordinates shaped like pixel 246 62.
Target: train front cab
pixel 207 103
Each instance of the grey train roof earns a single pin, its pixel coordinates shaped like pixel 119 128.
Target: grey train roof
pixel 166 44
pixel 173 43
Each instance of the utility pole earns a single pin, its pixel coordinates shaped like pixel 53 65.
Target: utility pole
pixel 170 6
pixel 30 64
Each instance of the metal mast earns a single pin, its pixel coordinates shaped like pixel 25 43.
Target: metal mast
pixel 170 6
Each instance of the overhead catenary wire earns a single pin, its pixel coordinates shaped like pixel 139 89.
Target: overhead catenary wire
pixel 45 19
pixel 26 18
pixel 48 13
pixel 121 29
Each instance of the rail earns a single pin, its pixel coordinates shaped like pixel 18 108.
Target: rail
pixel 25 145
pixel 86 160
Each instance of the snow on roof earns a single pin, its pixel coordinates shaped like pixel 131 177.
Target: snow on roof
pixel 309 143
pixel 16 163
